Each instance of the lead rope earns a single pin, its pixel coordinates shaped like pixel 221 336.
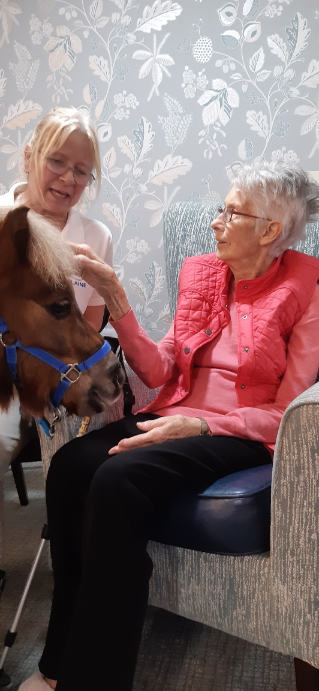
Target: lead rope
pixel 84 425
pixel 128 396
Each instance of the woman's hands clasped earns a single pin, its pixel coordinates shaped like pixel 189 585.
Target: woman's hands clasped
pixel 160 430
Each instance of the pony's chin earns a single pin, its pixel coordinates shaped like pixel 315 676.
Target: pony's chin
pixel 96 402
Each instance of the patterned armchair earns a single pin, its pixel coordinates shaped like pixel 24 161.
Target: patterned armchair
pixel 271 598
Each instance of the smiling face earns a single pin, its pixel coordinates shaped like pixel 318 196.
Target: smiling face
pixel 238 245
pixel 51 194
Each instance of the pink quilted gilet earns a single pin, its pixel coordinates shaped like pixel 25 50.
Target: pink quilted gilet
pixel 267 310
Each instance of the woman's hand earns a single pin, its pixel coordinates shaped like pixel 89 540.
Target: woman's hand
pixel 159 430
pixel 103 278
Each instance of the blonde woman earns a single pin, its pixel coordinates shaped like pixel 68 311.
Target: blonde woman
pixel 61 160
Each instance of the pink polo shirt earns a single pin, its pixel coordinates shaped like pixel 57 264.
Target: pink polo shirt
pixel 212 395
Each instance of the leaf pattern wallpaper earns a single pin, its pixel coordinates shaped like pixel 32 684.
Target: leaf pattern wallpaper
pixel 180 94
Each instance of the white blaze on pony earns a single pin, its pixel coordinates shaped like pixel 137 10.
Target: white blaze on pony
pixel 38 306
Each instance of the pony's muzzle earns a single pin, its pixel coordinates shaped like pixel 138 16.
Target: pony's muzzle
pixel 117 374
pixel 108 390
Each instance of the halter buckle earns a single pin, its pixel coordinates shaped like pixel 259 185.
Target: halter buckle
pixel 72 368
pixel 2 341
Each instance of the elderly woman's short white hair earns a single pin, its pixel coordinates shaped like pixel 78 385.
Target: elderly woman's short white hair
pixel 282 192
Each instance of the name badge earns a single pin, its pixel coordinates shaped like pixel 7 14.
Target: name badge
pixel 78 282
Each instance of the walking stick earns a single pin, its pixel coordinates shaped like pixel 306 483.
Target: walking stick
pixel 12 633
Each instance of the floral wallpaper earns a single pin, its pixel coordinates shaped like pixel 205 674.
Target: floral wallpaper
pixel 180 93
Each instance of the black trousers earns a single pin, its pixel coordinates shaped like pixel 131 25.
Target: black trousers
pixel 100 511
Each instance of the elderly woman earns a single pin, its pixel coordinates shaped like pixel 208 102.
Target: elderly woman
pixel 243 344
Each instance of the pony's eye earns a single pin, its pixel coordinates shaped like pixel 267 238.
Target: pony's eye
pixel 59 310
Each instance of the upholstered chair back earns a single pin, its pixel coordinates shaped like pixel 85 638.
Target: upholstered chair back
pixel 187 232
pixel 310 244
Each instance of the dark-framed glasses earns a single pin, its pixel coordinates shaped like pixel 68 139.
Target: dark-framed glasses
pixel 59 167
pixel 229 213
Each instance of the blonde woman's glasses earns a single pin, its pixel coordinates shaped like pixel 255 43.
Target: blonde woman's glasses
pixel 229 213
pixel 81 176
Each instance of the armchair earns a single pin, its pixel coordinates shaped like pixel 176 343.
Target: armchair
pixel 270 598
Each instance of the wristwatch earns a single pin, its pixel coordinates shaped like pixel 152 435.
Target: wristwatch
pixel 204 430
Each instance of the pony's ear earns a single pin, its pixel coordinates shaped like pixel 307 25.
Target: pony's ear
pixel 6 388
pixel 16 226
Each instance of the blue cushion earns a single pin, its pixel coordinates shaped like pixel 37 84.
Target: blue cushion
pixel 242 484
pixel 232 516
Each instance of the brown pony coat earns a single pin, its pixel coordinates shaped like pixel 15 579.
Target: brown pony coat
pixel 35 270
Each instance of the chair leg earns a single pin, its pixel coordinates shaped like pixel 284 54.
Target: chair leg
pixel 19 479
pixel 307 676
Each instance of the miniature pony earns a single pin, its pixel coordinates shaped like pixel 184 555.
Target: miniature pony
pixel 38 306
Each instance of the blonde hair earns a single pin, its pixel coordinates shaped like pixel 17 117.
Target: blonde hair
pixel 54 129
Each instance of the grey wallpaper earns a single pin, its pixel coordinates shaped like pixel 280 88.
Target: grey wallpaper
pixel 180 92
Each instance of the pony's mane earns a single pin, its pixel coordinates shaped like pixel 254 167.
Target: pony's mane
pixel 48 253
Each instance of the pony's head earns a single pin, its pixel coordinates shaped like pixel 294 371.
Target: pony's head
pixel 37 303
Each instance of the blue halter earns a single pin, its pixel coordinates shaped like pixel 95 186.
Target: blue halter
pixel 65 370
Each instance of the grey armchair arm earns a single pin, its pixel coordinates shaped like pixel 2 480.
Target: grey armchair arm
pixel 294 531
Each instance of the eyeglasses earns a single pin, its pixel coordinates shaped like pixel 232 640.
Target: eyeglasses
pixel 228 215
pixel 59 167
